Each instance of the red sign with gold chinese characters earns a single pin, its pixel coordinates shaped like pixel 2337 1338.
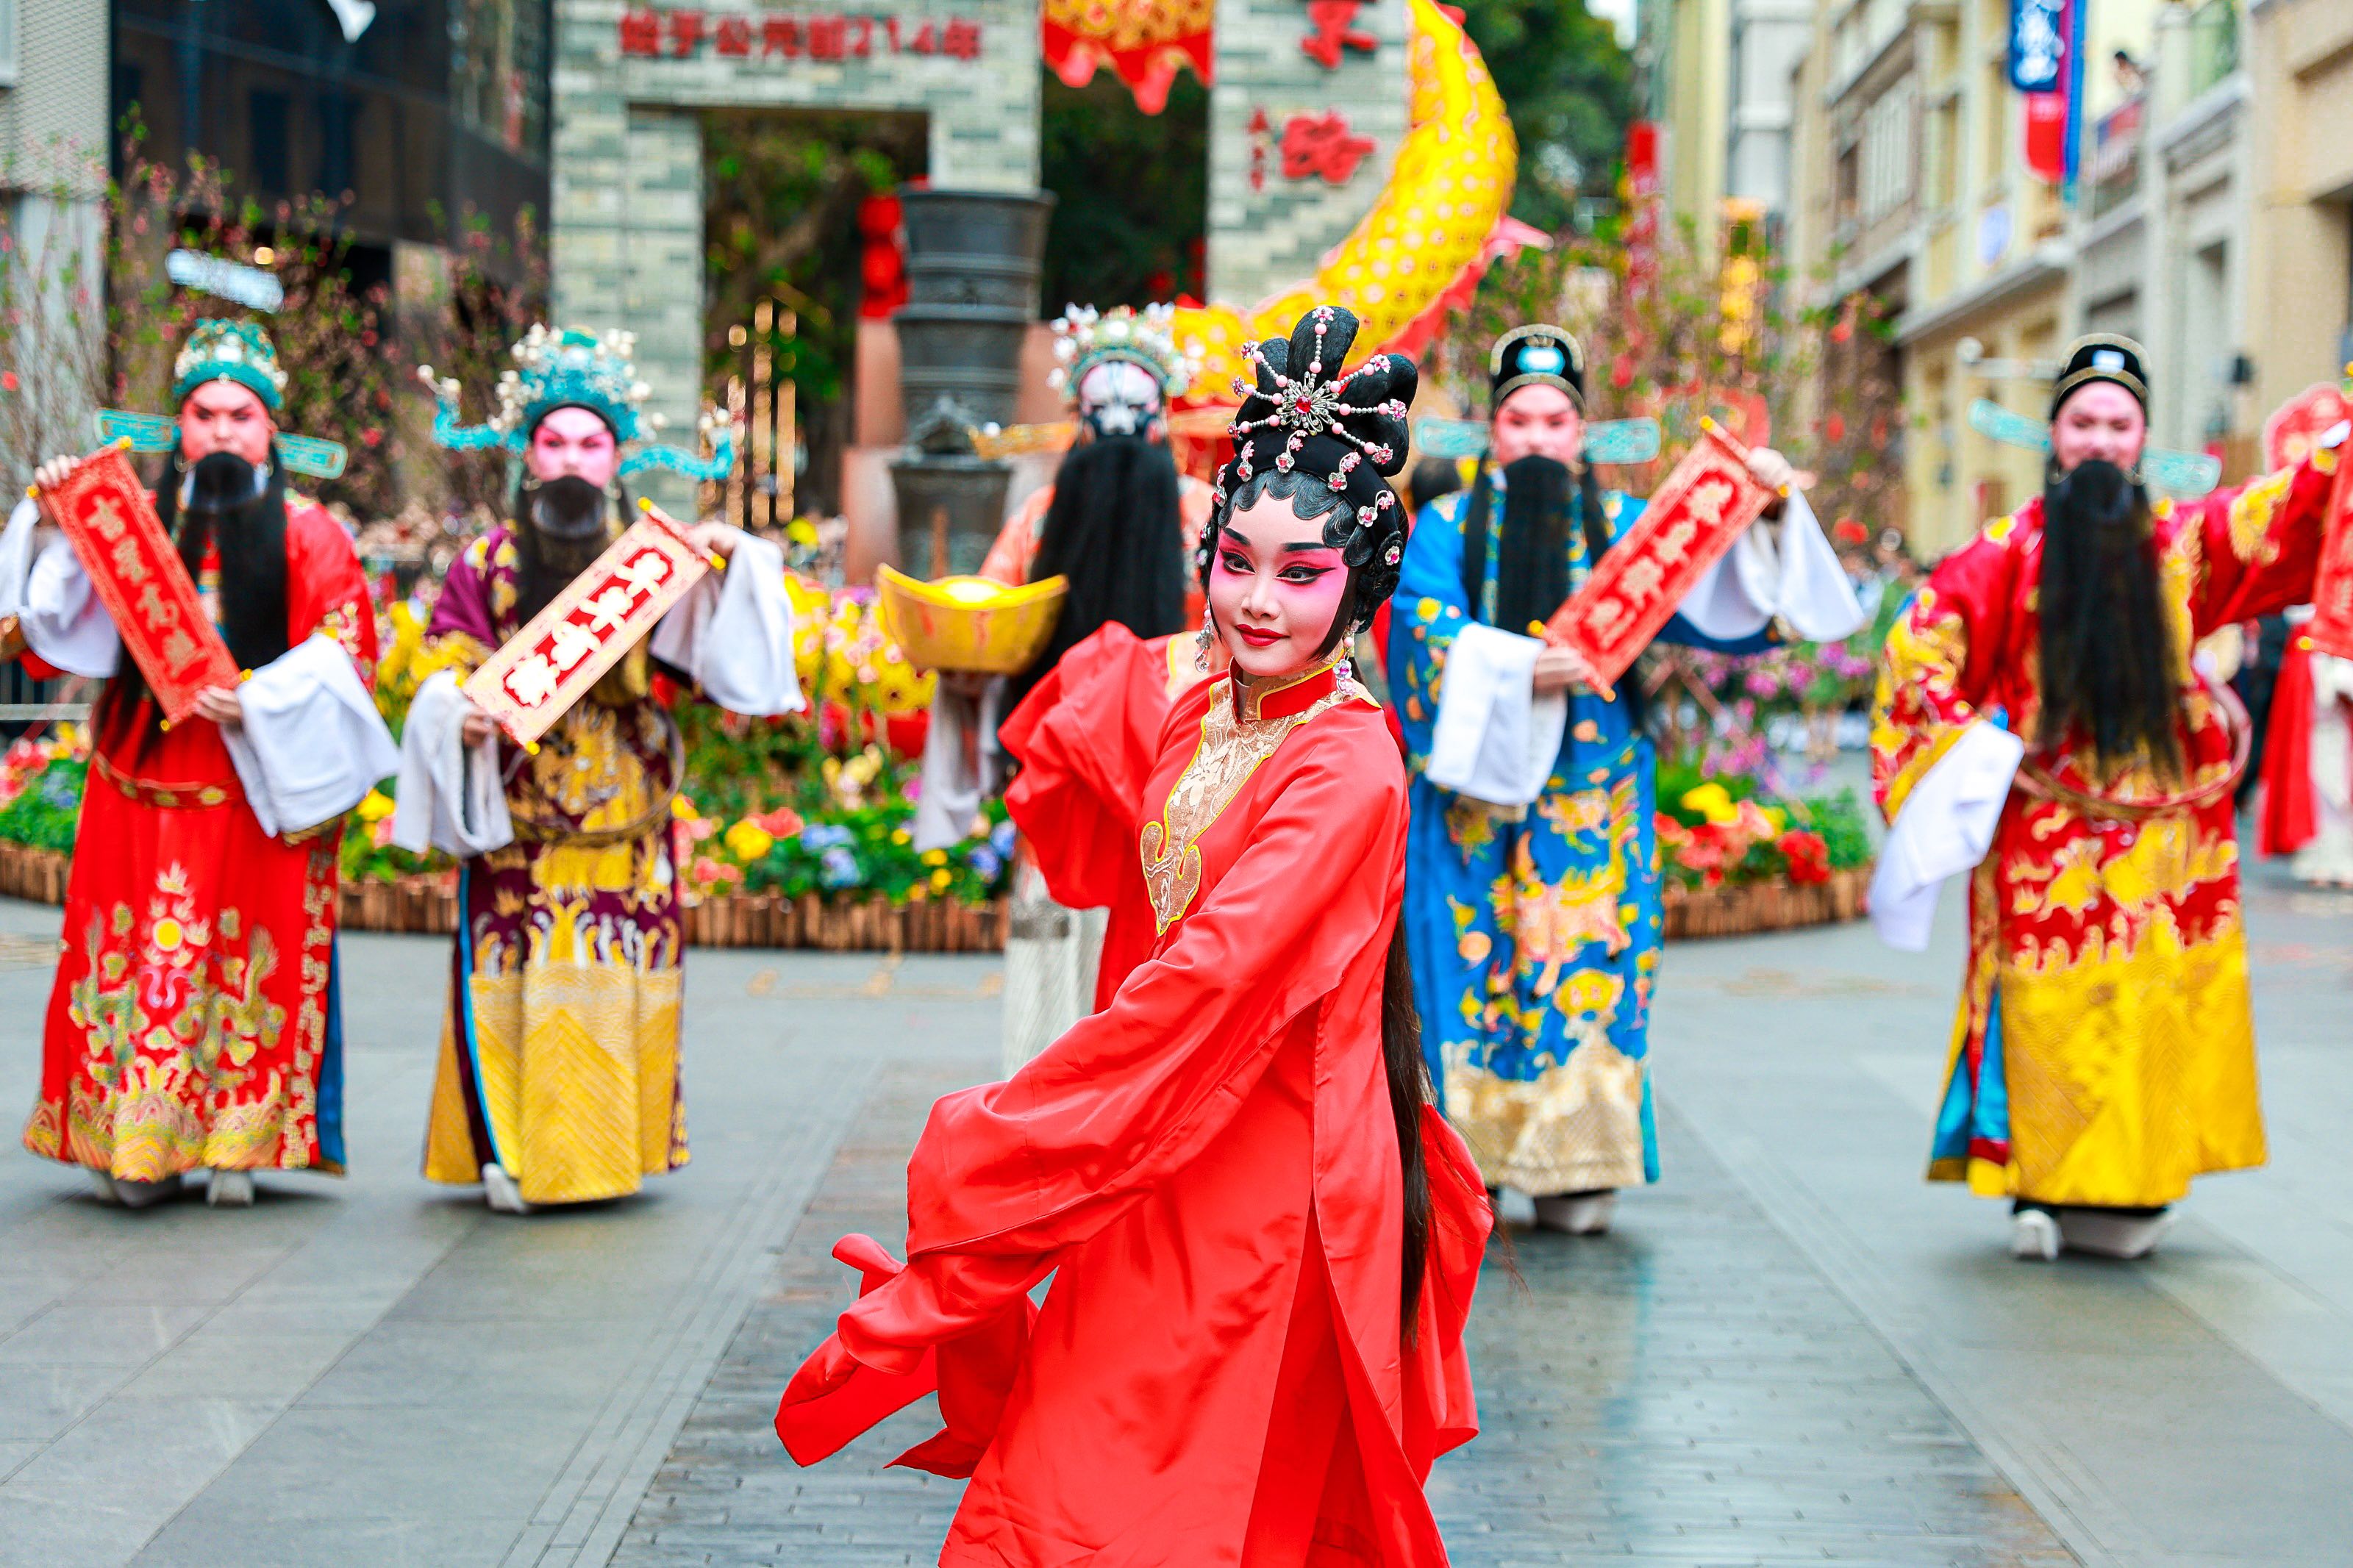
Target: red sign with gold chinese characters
pixel 110 521
pixel 535 678
pixel 2289 436
pixel 1691 520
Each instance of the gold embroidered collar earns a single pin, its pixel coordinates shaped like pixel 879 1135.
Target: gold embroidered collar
pixel 1236 735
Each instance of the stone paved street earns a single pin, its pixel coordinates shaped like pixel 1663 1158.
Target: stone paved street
pixel 1791 1351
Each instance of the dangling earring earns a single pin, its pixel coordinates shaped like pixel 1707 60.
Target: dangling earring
pixel 1201 640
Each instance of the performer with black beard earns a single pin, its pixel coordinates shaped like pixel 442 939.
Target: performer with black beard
pixel 559 1079
pixel 1531 907
pixel 1120 523
pixel 2040 718
pixel 195 1020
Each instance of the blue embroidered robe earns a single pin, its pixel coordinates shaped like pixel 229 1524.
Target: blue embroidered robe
pixel 1533 933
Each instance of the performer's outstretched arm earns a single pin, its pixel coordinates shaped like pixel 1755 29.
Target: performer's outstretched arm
pixel 2256 546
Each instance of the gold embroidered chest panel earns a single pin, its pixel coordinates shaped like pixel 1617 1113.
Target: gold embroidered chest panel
pixel 1237 737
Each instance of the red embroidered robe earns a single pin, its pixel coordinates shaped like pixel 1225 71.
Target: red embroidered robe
pixel 190 1021
pixel 1087 737
pixel 2104 1049
pixel 1208 1169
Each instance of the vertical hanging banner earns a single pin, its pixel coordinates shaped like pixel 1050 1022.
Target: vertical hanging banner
pixel 110 521
pixel 2042 65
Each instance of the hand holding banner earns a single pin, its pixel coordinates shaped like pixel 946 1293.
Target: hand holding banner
pixel 1691 520
pixel 535 678
pixel 110 519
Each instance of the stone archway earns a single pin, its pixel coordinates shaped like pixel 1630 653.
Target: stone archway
pixel 632 78
pixel 626 243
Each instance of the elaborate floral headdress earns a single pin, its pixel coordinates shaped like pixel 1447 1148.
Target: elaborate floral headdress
pixel 1343 428
pixel 229 350
pixel 578 369
pixel 1086 337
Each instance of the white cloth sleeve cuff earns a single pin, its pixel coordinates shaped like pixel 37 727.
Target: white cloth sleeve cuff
pixel 42 583
pixel 311 743
pixel 1786 569
pixel 1945 827
pixel 449 796
pixel 732 634
pixel 1494 740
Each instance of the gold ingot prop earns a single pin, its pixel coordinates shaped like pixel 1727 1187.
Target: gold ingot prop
pixel 970 625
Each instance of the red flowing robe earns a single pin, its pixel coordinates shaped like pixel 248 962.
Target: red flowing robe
pixel 2104 1052
pixel 193 1021
pixel 1208 1168
pixel 1087 737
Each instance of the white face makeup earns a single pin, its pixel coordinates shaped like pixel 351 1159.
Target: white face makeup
pixel 1275 588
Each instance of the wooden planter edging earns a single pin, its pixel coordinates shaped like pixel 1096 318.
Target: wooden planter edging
pixel 428 905
pixel 35 874
pixel 1764 906
pixel 872 924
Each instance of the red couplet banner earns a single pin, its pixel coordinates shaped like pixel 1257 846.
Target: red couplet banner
pixel 1691 520
pixel 110 519
pixel 563 650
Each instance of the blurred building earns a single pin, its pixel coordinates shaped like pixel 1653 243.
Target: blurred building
pixel 420 117
pixel 1717 81
pixel 2298 274
pixel 1910 184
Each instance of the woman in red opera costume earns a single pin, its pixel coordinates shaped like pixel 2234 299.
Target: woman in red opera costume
pixel 1264 1239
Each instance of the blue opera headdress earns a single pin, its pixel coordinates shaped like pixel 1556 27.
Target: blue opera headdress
pixel 575 368
pixel 229 350
pixel 226 350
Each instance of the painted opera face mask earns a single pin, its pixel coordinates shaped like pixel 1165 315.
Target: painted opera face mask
pixel 2099 420
pixel 224 416
pixel 574 443
pixel 1537 421
pixel 1275 588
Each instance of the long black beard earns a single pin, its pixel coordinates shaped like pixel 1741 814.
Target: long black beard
pixel 1114 530
pixel 1542 501
pixel 2107 655
pixel 549 562
pixel 251 542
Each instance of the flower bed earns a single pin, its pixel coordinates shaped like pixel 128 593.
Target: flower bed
pixel 1735 861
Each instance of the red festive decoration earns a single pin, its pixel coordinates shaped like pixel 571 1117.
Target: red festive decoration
pixel 110 522
pixel 1321 145
pixel 1691 519
pixel 882 267
pixel 1336 29
pixel 1144 42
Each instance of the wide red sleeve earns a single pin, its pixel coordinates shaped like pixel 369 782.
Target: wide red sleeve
pixel 325 589
pixel 1009 1175
pixel 2259 545
pixel 1087 737
pixel 2288 819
